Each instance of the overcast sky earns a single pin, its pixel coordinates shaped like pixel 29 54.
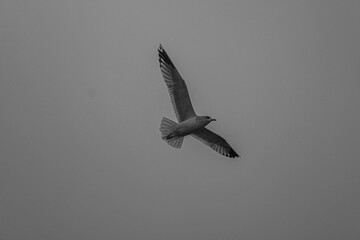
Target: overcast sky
pixel 82 97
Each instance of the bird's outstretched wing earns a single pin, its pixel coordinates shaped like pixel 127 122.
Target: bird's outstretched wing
pixel 179 94
pixel 215 142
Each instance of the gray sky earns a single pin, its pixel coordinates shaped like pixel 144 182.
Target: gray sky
pixel 82 96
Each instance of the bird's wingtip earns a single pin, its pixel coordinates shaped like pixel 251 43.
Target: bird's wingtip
pixel 233 154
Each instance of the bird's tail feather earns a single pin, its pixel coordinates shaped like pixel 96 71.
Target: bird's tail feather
pixel 175 142
pixel 166 128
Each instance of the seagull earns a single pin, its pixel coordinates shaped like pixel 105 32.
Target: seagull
pixel 189 123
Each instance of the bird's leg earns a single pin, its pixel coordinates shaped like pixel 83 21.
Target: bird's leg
pixel 169 136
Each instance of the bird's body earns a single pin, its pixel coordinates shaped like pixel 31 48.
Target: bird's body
pixel 188 126
pixel 189 123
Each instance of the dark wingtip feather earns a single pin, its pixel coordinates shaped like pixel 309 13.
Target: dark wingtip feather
pixel 163 57
pixel 233 154
pixel 230 152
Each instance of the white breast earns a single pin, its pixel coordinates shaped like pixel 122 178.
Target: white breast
pixel 188 126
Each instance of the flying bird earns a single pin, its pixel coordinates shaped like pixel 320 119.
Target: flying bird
pixel 189 123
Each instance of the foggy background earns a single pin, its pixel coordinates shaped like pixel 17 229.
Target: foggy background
pixel 82 96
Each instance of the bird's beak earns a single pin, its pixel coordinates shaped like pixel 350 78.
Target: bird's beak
pixel 213 119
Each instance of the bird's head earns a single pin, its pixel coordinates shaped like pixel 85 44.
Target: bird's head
pixel 205 119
